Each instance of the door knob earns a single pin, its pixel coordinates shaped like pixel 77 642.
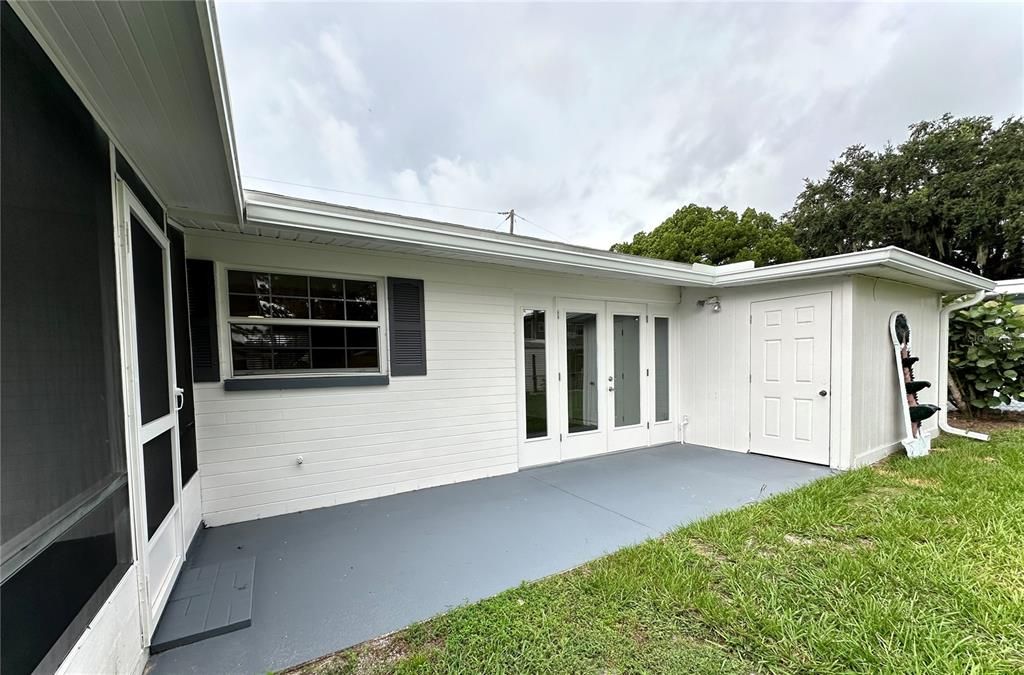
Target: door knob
pixel 822 393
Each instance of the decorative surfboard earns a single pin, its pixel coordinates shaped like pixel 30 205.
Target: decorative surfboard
pixel 916 442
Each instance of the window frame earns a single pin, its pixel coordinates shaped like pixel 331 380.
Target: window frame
pixel 225 321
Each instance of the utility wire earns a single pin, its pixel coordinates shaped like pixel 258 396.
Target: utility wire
pixel 522 217
pixel 363 194
pixel 410 201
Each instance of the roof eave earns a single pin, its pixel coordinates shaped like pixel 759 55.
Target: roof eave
pixel 300 215
pixel 929 272
pixel 219 83
pixel 296 215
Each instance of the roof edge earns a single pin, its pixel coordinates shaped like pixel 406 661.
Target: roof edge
pixel 891 257
pixel 266 209
pixel 299 214
pixel 208 26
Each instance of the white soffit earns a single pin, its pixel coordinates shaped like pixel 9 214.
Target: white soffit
pixel 152 75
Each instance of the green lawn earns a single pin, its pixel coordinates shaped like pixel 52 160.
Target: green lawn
pixel 907 567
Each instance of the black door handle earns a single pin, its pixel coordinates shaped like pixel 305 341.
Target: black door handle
pixel 822 393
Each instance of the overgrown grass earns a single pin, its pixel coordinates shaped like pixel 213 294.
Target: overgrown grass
pixel 910 566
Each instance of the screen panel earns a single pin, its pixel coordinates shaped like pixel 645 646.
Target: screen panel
pixel 150 322
pixel 159 469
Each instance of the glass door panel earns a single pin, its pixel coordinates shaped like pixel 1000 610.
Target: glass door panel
pixel 581 371
pixel 661 369
pixel 627 382
pixel 663 430
pixel 535 372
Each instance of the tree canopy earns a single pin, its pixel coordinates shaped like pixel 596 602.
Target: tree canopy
pixel 953 191
pixel 699 234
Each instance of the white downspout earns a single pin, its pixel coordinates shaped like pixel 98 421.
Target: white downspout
pixel 943 385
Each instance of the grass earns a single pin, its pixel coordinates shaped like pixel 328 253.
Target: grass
pixel 910 566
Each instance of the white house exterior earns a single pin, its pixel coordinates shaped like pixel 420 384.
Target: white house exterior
pixel 310 354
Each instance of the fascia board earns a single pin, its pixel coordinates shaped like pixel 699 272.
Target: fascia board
pixel 304 218
pixel 219 84
pixel 946 276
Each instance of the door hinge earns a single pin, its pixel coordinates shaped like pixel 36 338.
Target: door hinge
pixel 647 318
pixel 648 425
pixel 559 438
pixel 750 377
pixel 648 372
pixel 559 377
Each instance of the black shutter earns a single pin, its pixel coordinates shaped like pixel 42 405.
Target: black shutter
pixel 406 327
pixel 182 358
pixel 202 319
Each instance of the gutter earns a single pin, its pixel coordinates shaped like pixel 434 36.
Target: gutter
pixel 944 367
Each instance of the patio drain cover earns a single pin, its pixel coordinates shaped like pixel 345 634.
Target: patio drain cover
pixel 206 601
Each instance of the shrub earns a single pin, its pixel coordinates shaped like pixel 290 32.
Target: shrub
pixel 986 355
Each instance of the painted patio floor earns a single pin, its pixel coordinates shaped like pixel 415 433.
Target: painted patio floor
pixel 330 578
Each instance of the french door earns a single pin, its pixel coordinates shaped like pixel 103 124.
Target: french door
pixel 594 378
pixel 153 453
pixel 583 378
pixel 626 326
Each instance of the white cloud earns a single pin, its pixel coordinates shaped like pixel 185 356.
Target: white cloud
pixel 596 120
pixel 343 66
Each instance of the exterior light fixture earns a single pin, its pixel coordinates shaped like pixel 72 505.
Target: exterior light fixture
pixel 716 305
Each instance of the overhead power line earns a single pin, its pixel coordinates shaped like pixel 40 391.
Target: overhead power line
pixel 541 227
pixel 510 216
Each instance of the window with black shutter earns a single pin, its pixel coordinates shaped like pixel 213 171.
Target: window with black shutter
pixel 407 327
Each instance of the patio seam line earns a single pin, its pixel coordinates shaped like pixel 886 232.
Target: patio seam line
pixel 593 503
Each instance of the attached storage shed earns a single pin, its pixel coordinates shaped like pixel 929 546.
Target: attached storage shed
pixel 726 359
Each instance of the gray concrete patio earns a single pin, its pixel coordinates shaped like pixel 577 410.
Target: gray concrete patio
pixel 333 577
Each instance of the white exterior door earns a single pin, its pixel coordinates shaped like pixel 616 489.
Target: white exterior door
pixel 790 354
pixel 155 472
pixel 583 386
pixel 537 379
pixel 627 380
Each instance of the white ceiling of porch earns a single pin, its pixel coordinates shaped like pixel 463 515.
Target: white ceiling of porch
pixel 143 70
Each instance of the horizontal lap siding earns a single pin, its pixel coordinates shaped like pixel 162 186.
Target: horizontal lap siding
pixel 456 423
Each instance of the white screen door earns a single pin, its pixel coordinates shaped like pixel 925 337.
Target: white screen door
pixel 148 332
pixel 790 354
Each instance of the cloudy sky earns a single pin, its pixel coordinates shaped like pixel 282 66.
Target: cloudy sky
pixel 595 121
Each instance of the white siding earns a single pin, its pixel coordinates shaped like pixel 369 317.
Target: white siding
pixel 715 355
pixel 112 644
pixel 877 427
pixel 456 423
